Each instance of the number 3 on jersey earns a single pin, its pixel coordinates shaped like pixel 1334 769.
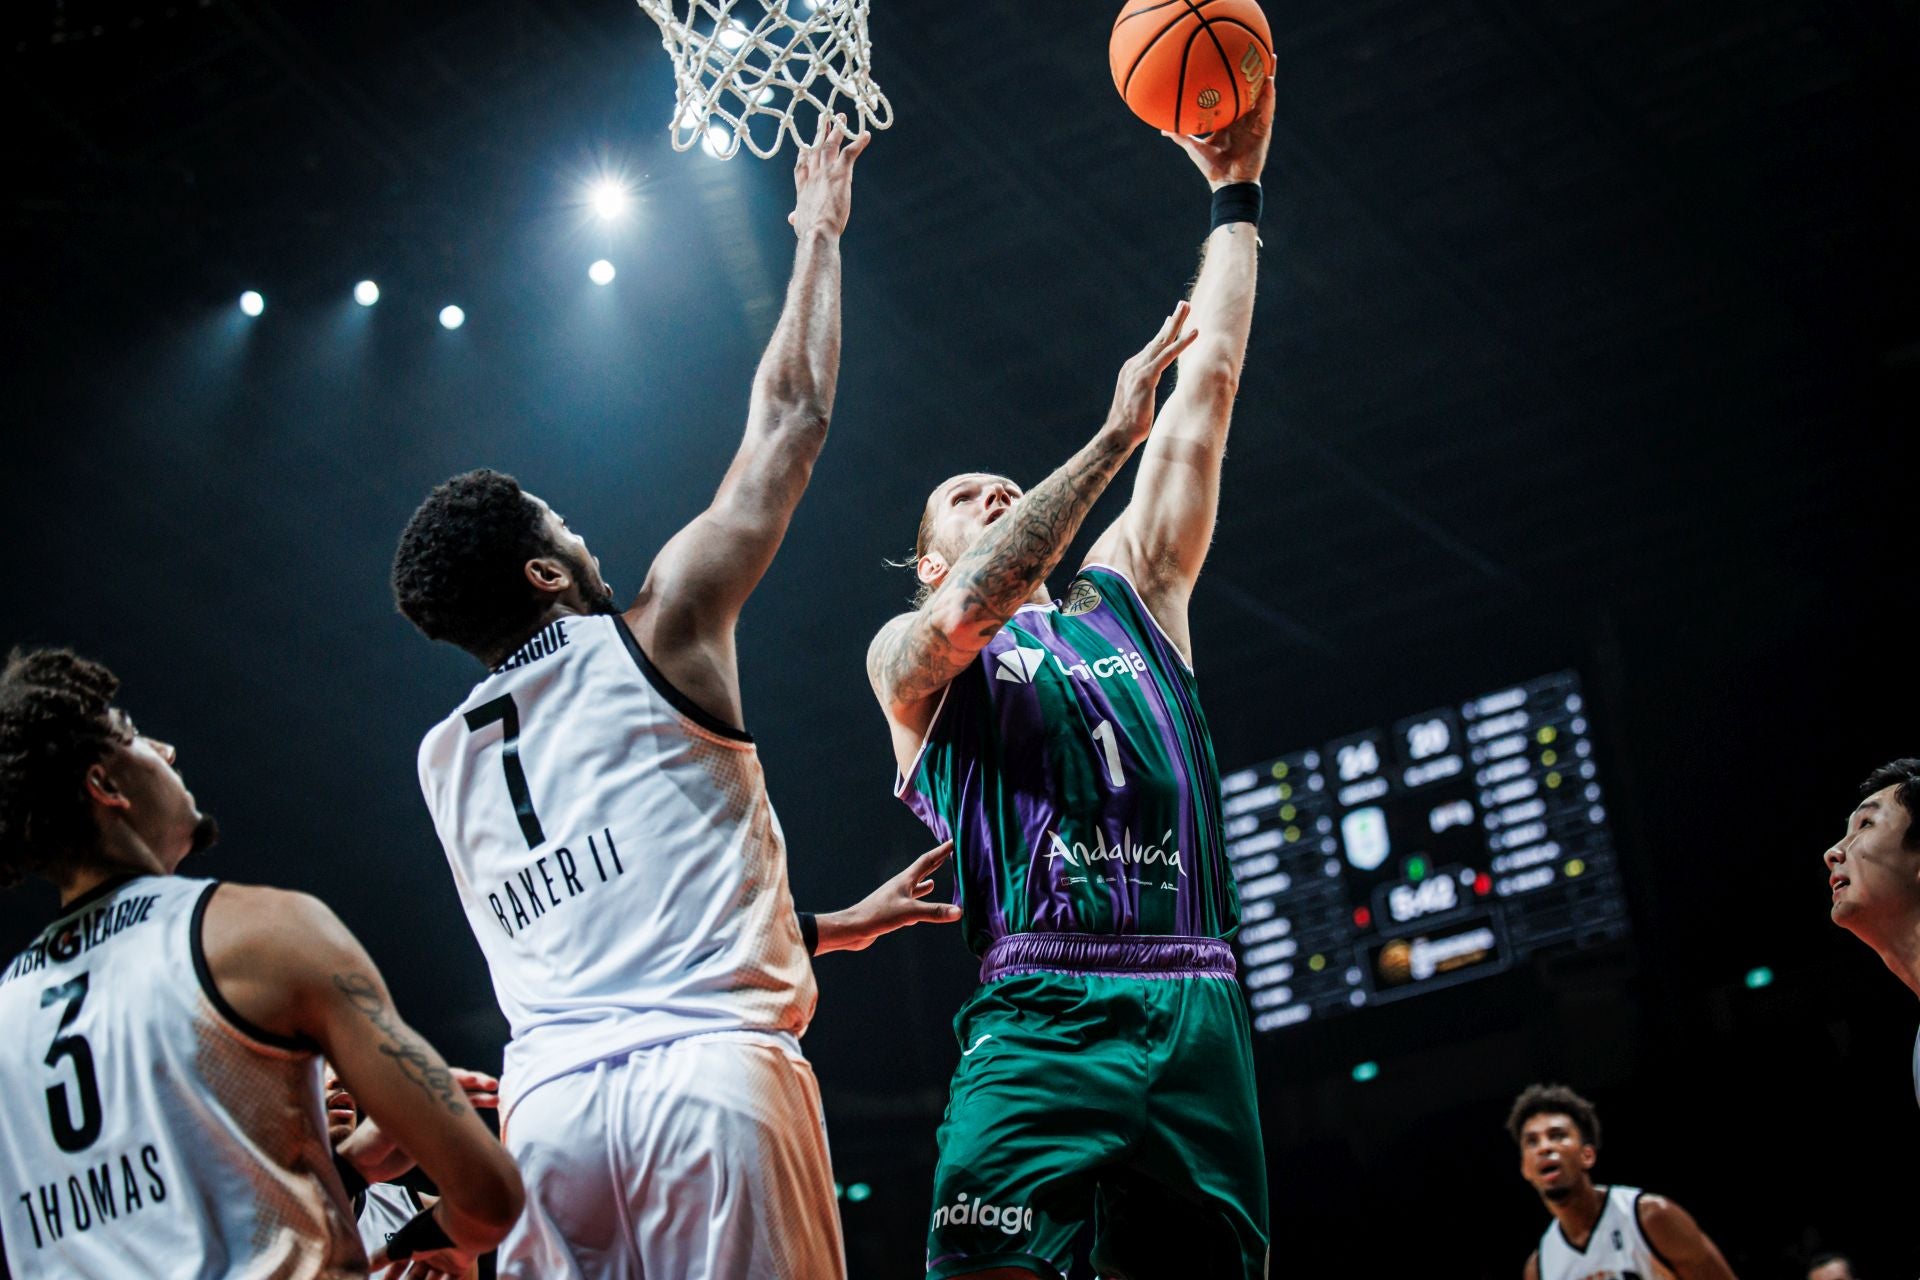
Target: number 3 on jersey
pixel 1110 752
pixel 71 1136
pixel 503 711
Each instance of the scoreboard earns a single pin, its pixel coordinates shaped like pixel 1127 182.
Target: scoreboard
pixel 1447 847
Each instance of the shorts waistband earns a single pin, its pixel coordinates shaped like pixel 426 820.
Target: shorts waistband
pixel 1122 955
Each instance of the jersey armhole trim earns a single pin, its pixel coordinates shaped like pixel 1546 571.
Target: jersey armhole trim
pixel 1141 601
pixel 1640 1225
pixel 679 701
pixel 905 780
pixel 203 971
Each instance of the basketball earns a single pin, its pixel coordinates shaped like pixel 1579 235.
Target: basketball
pixel 1190 66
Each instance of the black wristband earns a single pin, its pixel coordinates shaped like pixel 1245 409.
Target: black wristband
pixel 351 1178
pixel 422 1234
pixel 1237 202
pixel 810 932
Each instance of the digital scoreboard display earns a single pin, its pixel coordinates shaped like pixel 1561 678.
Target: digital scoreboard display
pixel 1446 847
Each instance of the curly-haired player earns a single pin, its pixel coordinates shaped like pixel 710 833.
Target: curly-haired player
pixel 606 819
pixel 164 1035
pixel 1598 1231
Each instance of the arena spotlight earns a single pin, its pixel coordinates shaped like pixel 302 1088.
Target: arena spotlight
pixel 859 1191
pixel 1758 978
pixel 452 317
pixel 607 197
pixel 252 303
pixel 366 293
pixel 718 141
pixel 733 35
pixel 601 272
pixel 1365 1071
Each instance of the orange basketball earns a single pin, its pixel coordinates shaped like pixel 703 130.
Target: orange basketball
pixel 1190 66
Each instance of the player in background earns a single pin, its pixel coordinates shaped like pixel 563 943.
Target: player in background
pixel 606 820
pixel 1598 1231
pixel 372 1163
pixel 1873 874
pixel 1106 1069
pixel 1830 1266
pixel 164 1035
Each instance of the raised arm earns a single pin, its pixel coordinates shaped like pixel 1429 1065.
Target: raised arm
pixel 917 654
pixel 287 965
pixel 701 579
pixel 1161 539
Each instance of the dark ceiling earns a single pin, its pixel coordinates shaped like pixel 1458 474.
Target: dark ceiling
pixel 1589 335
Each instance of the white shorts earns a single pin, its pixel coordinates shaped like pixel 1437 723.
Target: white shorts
pixel 700 1159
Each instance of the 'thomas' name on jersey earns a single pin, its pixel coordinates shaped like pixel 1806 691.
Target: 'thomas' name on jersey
pixel 1616 1250
pixel 151 1131
pixel 616 855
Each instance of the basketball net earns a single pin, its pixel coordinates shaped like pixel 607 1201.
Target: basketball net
pixel 735 69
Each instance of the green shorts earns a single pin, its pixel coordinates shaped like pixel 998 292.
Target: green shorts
pixel 1125 1100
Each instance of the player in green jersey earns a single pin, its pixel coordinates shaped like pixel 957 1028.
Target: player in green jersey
pixel 1106 1070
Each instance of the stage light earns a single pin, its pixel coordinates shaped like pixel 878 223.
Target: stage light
pixel 718 141
pixel 1365 1071
pixel 366 293
pixel 252 303
pixel 607 197
pixel 601 272
pixel 1758 978
pixel 732 36
pixel 452 317
pixel 859 1191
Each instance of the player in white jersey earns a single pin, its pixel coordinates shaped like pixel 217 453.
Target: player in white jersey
pixel 163 1036
pixel 606 820
pixel 1873 875
pixel 1599 1232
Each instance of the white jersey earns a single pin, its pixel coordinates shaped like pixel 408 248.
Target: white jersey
pixel 1617 1249
pixel 616 854
pixel 151 1130
pixel 385 1207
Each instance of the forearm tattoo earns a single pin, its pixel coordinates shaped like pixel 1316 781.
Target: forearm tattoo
pixel 915 659
pixel 412 1056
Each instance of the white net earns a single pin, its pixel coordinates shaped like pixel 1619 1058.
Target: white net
pixel 743 69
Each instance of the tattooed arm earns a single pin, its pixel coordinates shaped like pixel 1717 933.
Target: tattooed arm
pixel 286 965
pixel 917 654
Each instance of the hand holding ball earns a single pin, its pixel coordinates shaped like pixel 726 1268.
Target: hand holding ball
pixel 1190 66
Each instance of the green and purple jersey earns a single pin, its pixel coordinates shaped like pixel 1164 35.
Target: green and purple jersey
pixel 1072 768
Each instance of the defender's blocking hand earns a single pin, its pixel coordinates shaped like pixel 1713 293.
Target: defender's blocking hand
pixel 1237 153
pixel 894 905
pixel 823 178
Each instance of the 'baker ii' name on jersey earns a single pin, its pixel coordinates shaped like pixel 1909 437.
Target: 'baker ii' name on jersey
pixel 538 893
pixel 616 855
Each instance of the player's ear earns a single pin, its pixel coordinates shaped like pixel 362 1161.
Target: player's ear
pixel 548 575
pixel 1588 1156
pixel 930 568
pixel 104 789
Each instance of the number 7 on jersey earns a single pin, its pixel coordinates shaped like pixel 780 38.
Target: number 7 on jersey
pixel 503 711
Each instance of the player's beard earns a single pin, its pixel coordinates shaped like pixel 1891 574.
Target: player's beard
pixel 206 834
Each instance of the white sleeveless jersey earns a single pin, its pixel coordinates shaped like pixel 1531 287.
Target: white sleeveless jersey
pixel 150 1131
pixel 1617 1249
pixel 616 855
pixel 385 1207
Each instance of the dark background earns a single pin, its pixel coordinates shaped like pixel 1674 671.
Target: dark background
pixel 1587 336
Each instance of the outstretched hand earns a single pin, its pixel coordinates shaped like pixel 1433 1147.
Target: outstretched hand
pixel 896 904
pixel 1133 395
pixel 1237 153
pixel 823 178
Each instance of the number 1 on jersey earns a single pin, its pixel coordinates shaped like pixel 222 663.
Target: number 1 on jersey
pixel 1110 752
pixel 503 710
